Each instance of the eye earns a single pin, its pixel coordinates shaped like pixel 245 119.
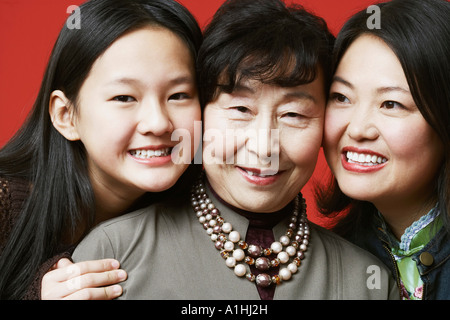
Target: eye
pixel 239 113
pixel 391 105
pixel 292 115
pixel 242 109
pixel 294 119
pixel 124 98
pixel 179 96
pixel 340 98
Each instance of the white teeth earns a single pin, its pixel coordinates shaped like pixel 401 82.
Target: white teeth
pixel 146 154
pixel 251 173
pixel 364 159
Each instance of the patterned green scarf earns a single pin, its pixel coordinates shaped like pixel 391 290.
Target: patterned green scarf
pixel 415 238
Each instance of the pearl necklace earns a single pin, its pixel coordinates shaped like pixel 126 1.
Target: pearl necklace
pixel 232 248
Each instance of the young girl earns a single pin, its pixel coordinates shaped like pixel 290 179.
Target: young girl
pixel 387 141
pixel 97 141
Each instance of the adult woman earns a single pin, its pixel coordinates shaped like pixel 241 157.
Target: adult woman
pixel 97 140
pixel 264 91
pixel 387 141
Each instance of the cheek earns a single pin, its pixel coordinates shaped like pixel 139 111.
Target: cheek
pixel 333 128
pixel 303 148
pixel 185 117
pixel 188 125
pixel 219 143
pixel 413 143
pixel 106 138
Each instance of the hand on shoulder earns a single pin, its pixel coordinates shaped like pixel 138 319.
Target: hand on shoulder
pixel 87 280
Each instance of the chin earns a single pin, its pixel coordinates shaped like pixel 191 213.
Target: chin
pixel 158 185
pixel 265 205
pixel 358 193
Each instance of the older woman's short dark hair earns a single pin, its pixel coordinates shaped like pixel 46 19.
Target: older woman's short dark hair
pixel 262 40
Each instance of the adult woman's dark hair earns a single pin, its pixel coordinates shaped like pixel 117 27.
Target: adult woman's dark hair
pixel 260 53
pixel 421 41
pixel 61 200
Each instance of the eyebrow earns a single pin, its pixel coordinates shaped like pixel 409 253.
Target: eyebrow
pixel 390 89
pixel 239 87
pixel 182 79
pixel 289 95
pixel 124 80
pixel 300 95
pixel 379 90
pixel 344 82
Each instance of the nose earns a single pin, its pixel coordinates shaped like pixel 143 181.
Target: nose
pixel 154 118
pixel 263 139
pixel 362 124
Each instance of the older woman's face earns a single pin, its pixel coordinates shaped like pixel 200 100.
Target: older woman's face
pixel 261 142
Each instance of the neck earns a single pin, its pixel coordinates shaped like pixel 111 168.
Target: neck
pixel 266 219
pixel 109 205
pixel 400 216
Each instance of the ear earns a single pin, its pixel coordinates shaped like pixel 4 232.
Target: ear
pixel 61 113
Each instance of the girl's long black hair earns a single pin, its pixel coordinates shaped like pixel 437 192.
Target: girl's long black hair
pixel 61 197
pixel 418 32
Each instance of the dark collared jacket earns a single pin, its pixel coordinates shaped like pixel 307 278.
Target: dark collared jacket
pixel 433 261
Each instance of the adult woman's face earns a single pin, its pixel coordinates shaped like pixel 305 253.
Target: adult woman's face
pixel 261 142
pixel 377 143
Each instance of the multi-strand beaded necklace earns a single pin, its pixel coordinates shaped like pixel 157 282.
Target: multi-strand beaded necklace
pixel 237 253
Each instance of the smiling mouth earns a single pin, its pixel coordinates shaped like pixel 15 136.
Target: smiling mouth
pixel 364 159
pixel 147 154
pixel 257 173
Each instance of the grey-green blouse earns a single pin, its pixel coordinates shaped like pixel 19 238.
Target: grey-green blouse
pixel 168 255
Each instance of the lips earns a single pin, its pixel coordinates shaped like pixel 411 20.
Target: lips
pixel 362 160
pixel 365 159
pixel 152 155
pixel 261 177
pixel 148 153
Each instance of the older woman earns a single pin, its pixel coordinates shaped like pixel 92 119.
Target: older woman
pixel 263 77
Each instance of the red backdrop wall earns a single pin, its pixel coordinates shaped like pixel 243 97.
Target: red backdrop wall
pixel 28 29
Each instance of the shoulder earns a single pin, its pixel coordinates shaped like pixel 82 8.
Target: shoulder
pixel 119 236
pixel 361 274
pixel 333 242
pixel 13 193
pixel 132 218
pixel 122 227
pixel 142 218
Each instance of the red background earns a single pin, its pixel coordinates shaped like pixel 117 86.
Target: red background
pixel 29 28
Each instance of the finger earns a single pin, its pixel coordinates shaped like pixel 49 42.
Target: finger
pixel 84 282
pixel 77 269
pixel 105 293
pixel 102 279
pixel 62 263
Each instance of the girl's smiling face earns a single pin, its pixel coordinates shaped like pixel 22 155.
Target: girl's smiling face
pixel 138 92
pixel 376 141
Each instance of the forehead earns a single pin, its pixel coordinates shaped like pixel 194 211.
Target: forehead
pixel 313 90
pixel 144 50
pixel 369 55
